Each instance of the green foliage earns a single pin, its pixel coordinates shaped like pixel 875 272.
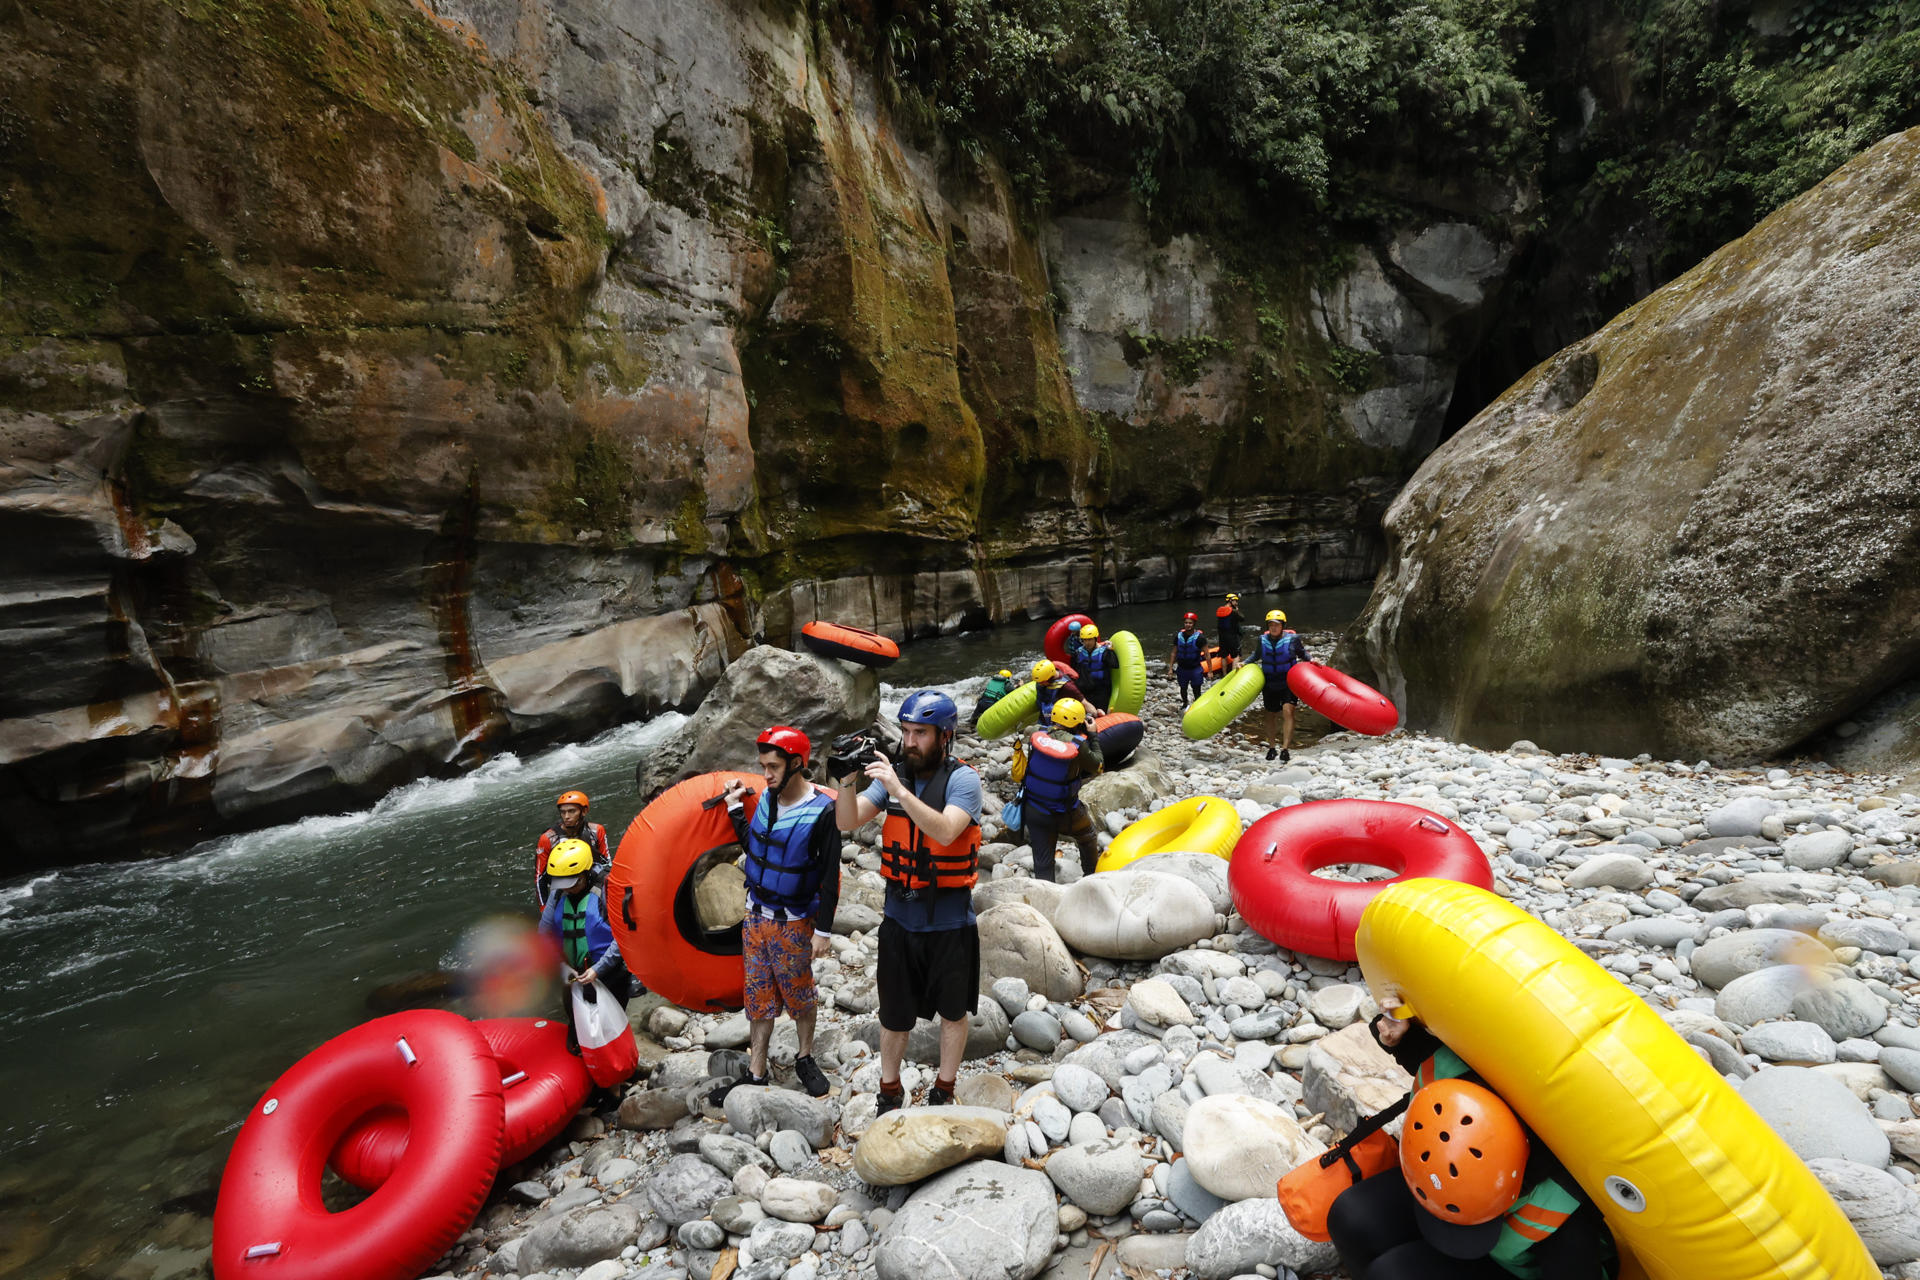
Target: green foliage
pixel 1307 96
pixel 1742 120
pixel 1182 359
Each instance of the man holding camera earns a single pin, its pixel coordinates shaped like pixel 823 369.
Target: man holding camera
pixel 929 962
pixel 792 867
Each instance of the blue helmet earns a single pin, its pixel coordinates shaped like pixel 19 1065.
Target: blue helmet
pixel 930 706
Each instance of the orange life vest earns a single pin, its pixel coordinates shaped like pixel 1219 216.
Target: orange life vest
pixel 908 858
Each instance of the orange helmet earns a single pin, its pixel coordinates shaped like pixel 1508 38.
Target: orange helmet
pixel 573 797
pixel 1463 1152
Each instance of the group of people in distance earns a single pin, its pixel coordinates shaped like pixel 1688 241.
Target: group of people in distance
pixel 1459 1207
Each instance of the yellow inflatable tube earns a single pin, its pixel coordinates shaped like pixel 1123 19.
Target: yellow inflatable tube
pixel 1204 824
pixel 1693 1183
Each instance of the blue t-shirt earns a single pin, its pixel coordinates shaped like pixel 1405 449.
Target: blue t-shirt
pixel 929 912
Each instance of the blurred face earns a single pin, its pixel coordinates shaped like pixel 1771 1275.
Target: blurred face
pixel 921 745
pixel 571 816
pixel 1275 628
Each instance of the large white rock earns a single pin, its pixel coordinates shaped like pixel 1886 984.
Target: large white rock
pixel 1207 872
pixel 1016 941
pixel 912 1143
pixel 1133 915
pixel 1817 850
pixel 983 1219
pixel 1250 1234
pixel 1817 1115
pixel 1885 1211
pixel 1042 895
pixel 1238 1146
pixel 1135 787
pixel 1349 1076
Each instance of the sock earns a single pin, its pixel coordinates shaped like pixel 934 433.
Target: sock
pixel 889 1090
pixel 946 1085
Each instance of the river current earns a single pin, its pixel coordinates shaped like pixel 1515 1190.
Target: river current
pixel 144 1006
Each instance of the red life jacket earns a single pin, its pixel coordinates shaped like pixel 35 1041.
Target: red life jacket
pixel 592 832
pixel 908 858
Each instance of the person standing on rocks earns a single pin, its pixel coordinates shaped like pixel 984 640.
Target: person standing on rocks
pixel 1058 761
pixel 1096 666
pixel 1278 650
pixel 1227 627
pixel 575 917
pixel 929 958
pixel 572 824
pixel 792 867
pixel 1498 1207
pixel 1049 686
pixel 997 687
pixel 1183 660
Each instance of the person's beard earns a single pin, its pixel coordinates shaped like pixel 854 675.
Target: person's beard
pixel 920 759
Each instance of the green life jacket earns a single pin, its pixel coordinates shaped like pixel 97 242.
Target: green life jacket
pixel 573 931
pixel 997 689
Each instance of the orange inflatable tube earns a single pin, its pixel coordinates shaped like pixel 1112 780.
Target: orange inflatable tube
pixel 832 640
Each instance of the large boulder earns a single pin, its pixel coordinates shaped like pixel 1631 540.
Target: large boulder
pixel 981 1219
pixel 823 697
pixel 1250 1234
pixel 1207 872
pixel 582 1237
pixel 1238 1146
pixel 1817 1115
pixel 912 1143
pixel 1349 1076
pixel 1133 915
pixel 1017 942
pixel 1645 536
pixel 1884 1210
pixel 1135 787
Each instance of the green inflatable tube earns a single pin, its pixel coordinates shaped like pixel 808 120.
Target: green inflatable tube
pixel 1219 706
pixel 1008 714
pixel 1130 674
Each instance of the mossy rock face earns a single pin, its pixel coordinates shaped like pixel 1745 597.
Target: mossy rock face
pixel 1693 533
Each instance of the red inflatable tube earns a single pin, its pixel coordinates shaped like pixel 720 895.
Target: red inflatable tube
pixel 1342 699
pixel 270 1222
pixel 832 640
pixel 1055 643
pixel 542 1084
pixel 1274 888
pixel 650 895
pixel 1119 735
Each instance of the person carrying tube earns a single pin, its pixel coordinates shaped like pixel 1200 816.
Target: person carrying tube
pixel 1474 1195
pixel 1183 660
pixel 1097 660
pixel 1226 621
pixel 575 917
pixel 929 958
pixel 571 824
pixel 997 687
pixel 1277 650
pixel 1059 759
pixel 792 867
pixel 1050 686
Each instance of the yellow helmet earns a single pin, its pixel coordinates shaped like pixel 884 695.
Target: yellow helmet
pixel 1005 674
pixel 1069 713
pixel 570 858
pixel 1233 597
pixel 1044 670
pixel 1089 632
pixel 1274 615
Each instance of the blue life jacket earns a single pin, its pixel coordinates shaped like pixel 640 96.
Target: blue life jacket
pixel 780 867
pixel 1278 656
pixel 570 930
pixel 1045 695
pixel 1186 648
pixel 1051 787
pixel 1098 659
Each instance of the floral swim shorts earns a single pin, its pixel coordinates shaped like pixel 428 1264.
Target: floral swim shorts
pixel 779 964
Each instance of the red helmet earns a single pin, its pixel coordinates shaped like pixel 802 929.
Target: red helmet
pixel 1189 617
pixel 788 741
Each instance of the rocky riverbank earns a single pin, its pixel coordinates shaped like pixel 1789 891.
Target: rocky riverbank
pixel 1142 1066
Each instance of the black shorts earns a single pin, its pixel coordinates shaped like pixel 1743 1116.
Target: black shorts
pixel 921 975
pixel 1275 694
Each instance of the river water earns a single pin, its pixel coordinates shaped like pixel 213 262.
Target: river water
pixel 147 1005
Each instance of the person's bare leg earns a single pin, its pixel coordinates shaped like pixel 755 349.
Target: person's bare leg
pixel 1286 715
pixel 953 1044
pixel 803 1031
pixel 893 1047
pixel 759 1036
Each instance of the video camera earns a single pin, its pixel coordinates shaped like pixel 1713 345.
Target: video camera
pixel 853 753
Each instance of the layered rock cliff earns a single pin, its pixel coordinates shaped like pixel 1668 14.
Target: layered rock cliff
pixel 1694 533
pixel 386 383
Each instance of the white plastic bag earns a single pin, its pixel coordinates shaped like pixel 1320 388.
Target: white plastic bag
pixel 607 1046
